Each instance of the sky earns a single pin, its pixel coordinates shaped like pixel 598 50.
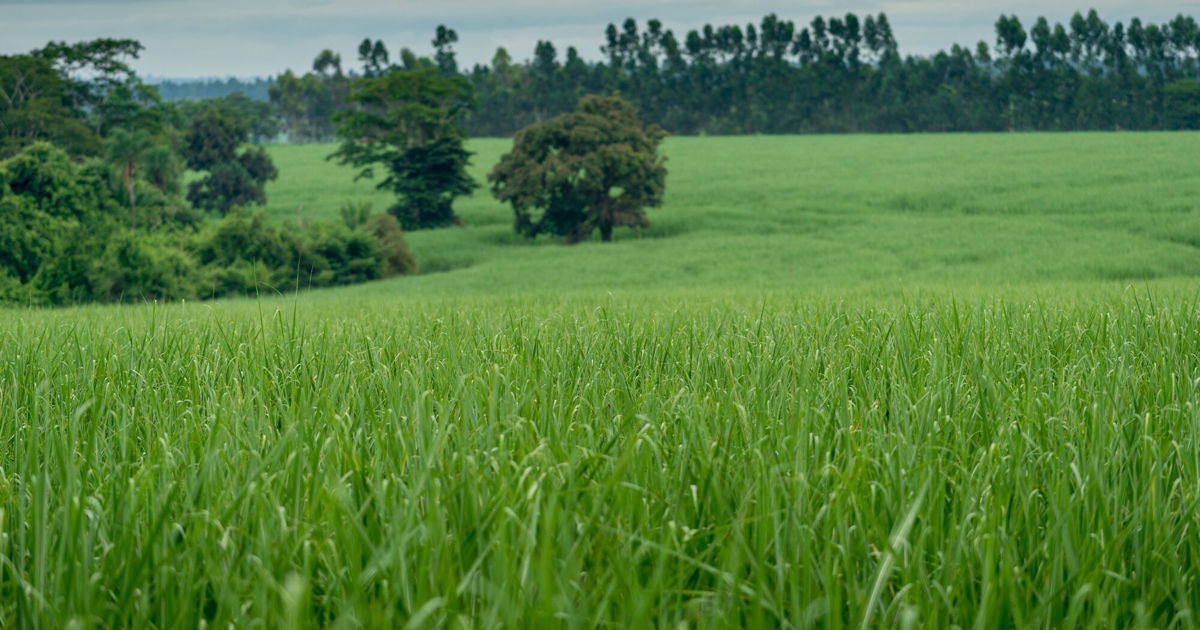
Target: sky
pixel 248 38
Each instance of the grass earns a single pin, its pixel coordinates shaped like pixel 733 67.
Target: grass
pixel 951 383
pixel 809 212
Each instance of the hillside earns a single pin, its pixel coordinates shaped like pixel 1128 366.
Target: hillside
pixel 829 211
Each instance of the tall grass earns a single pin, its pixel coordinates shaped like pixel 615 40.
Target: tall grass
pixel 841 382
pixel 707 458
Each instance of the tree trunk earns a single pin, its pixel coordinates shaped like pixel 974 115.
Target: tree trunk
pixel 606 232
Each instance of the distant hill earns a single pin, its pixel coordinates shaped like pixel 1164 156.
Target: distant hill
pixel 176 89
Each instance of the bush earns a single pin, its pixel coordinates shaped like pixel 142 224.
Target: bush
pixel 41 171
pixel 237 278
pixel 397 259
pixel 28 236
pixel 243 236
pixel 244 253
pixel 135 266
pixel 62 241
pixel 395 255
pixel 332 254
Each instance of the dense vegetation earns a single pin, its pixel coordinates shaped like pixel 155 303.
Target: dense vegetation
pixel 91 193
pixel 838 74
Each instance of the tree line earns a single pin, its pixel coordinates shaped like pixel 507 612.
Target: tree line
pixel 93 204
pixel 183 89
pixel 837 74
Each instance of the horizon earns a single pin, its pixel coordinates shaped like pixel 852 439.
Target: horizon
pixel 202 42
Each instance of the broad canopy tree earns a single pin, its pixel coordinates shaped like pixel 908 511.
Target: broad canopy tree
pixel 404 122
pixel 34 107
pixel 236 176
pixel 593 169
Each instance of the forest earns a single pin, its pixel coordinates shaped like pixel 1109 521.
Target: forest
pixel 836 75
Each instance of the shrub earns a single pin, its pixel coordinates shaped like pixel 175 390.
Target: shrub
pixel 243 253
pixel 397 258
pixel 61 241
pixel 136 266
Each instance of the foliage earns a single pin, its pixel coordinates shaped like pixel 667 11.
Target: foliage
pixel 142 267
pixel 85 98
pixel 126 149
pixel 235 176
pixel 593 169
pixel 333 254
pixel 1182 104
pixel 34 108
pixel 46 176
pixel 102 85
pixel 54 216
pixel 443 42
pixel 242 252
pixel 355 213
pixel 846 74
pixel 28 236
pixel 395 256
pixel 61 241
pixel 259 115
pixel 404 122
pixel 699 458
pixel 162 169
pixel 245 253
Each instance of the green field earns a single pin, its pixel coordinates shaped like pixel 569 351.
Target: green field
pixel 913 381
pixel 831 211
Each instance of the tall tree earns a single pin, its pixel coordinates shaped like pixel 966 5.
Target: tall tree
pixel 236 176
pixel 103 85
pixel 443 42
pixel 404 122
pixel 34 106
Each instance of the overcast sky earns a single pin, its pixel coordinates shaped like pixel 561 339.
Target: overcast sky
pixel 245 38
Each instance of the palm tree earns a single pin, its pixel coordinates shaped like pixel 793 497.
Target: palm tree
pixel 162 169
pixel 124 149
